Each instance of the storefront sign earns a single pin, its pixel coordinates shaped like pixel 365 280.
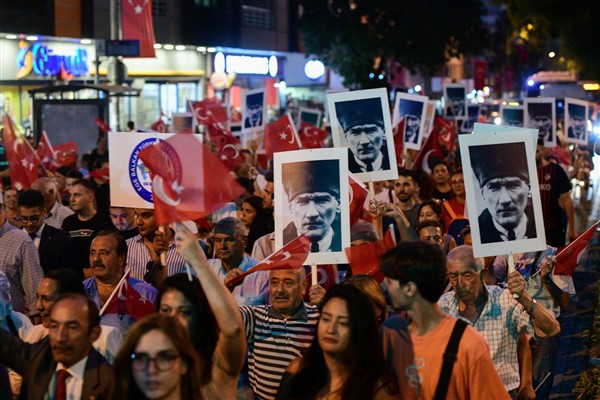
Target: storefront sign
pixel 241 64
pixel 43 61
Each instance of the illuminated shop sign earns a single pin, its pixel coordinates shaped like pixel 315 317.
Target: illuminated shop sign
pixel 252 65
pixel 43 61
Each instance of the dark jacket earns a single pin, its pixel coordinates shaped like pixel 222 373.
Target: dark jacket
pixel 355 168
pixel 56 249
pixel 290 233
pixel 489 233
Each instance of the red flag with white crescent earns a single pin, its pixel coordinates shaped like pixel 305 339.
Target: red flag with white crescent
pixel 66 154
pixel 229 151
pixel 159 126
pixel 136 23
pixel 430 149
pixel 358 196
pixel 46 153
pixel 567 258
pixel 311 136
pixel 292 255
pixel 23 162
pixel 281 136
pixel 208 112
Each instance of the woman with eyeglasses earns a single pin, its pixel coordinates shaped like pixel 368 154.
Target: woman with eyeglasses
pixel 345 360
pixel 157 361
pixel 207 310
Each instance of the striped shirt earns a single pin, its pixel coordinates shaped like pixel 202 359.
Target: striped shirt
pixel 20 262
pixel 274 342
pixel 138 257
pixel 501 322
pixel 57 215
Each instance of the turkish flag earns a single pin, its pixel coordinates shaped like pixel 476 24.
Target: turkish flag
pixel 327 277
pixel 479 73
pixel 102 173
pixel 188 181
pixel 446 131
pixel 311 136
pixel 430 149
pixel 208 112
pixel 566 260
pixel 364 258
pixel 398 132
pixel 66 154
pixel 292 255
pixel 45 153
pixel 132 299
pixel 23 162
pixel 358 196
pixel 104 127
pixel 159 126
pixel 281 136
pixel 136 22
pixel 229 151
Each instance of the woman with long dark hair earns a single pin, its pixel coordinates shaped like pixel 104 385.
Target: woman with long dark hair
pixel 157 361
pixel 258 220
pixel 345 360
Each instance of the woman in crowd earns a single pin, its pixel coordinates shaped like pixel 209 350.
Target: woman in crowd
pixel 258 221
pixel 338 364
pixel 369 286
pixel 206 308
pixel 431 211
pixel 157 361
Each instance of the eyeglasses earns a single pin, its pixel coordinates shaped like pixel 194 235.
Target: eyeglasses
pixel 163 361
pixel 32 219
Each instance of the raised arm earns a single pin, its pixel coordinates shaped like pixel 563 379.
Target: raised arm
pixel 231 347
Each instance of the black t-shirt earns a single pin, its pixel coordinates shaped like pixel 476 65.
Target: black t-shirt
pixel 81 233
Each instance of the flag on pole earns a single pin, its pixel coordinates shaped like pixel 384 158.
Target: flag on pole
pixel 567 258
pixel 364 258
pixel 446 131
pixel 104 127
pixel 188 181
pixel 131 299
pixel 432 147
pixel 398 132
pixel 292 255
pixel 23 162
pixel 46 154
pixel 208 112
pixel 312 137
pixel 358 196
pixel 229 151
pixel 159 125
pixel 281 136
pixel 136 23
pixel 66 154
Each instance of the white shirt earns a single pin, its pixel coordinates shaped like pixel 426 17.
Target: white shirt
pixel 74 383
pixel 38 235
pixel 375 164
pixel 520 230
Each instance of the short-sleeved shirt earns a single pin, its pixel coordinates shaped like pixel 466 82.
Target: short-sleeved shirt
pixel 501 322
pixel 254 290
pixel 138 257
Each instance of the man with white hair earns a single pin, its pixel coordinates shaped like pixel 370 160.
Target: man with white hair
pixel 56 211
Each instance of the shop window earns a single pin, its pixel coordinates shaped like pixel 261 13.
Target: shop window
pixel 150 107
pixel 185 92
pixel 258 14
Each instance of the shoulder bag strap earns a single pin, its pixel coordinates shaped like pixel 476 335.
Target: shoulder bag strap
pixel 450 355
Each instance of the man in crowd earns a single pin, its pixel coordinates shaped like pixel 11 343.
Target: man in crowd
pixel 83 223
pixel 404 215
pixel 229 236
pixel 11 209
pixel 557 205
pixel 364 130
pixel 108 253
pixel 506 192
pixel 20 263
pixel 416 277
pixel 441 176
pixel 54 246
pixel 431 231
pixel 123 219
pixel 56 211
pixel 270 351
pixel 64 364
pixel 494 312
pixel 144 250
pixel 313 192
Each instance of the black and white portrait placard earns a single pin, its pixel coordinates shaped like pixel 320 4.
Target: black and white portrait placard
pixel 413 109
pixel 311 188
pixel 512 115
pixel 309 115
pixel 540 113
pixel 467 124
pixel 576 116
pixel 254 110
pixel 502 189
pixel 360 121
pixel 455 101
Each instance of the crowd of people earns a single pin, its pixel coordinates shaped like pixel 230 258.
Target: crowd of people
pixel 98 301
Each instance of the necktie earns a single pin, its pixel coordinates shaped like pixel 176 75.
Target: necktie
pixel 369 167
pixel 61 384
pixel 511 234
pixel 32 236
pixel 314 247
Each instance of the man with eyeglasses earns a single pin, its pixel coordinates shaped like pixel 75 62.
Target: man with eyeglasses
pixel 505 322
pixel 20 263
pixel 63 365
pixel 54 246
pixel 364 130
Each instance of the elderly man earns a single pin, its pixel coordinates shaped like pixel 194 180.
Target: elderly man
pixel 415 274
pixel 108 253
pixel 313 193
pixel 230 235
pixel 20 262
pixel 364 131
pixel 493 311
pixel 506 192
pixel 64 365
pixel 55 248
pixel 279 332
pixel 56 211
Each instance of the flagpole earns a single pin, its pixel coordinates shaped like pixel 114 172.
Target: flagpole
pixel 116 289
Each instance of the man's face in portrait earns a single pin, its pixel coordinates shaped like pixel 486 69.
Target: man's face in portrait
pixel 365 141
pixel 577 124
pixel 506 199
pixel 458 106
pixel 412 126
pixel 544 124
pixel 313 213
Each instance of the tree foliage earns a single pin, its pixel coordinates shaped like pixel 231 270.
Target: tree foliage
pixel 359 37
